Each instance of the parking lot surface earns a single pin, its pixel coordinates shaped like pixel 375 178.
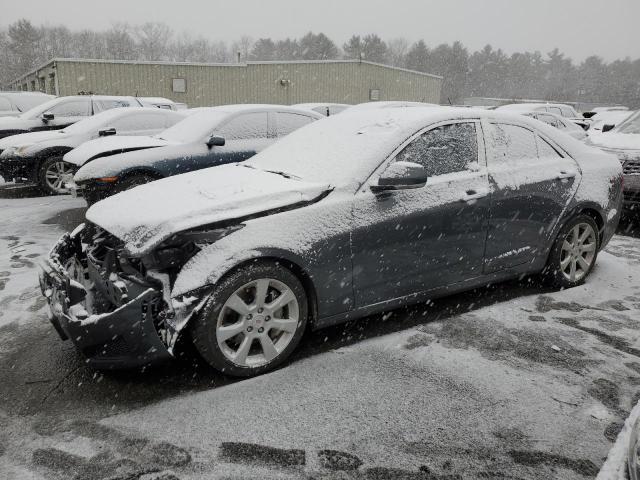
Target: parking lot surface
pixel 514 381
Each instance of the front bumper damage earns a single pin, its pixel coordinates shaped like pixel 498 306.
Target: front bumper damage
pixel 115 320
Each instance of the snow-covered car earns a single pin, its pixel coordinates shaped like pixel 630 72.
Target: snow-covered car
pixel 37 157
pixel 207 138
pixel 352 215
pixel 13 104
pixel 61 112
pixel 624 142
pixel 606 121
pixel 326 109
pixel 561 123
pixel 561 109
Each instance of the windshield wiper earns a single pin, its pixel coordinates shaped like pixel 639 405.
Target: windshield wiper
pixel 284 174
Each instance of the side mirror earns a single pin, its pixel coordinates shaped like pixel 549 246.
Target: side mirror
pixel 107 132
pixel 401 176
pixel 47 116
pixel 215 141
pixel 607 128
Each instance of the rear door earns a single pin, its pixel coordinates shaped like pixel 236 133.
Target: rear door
pixel 532 182
pixel 410 241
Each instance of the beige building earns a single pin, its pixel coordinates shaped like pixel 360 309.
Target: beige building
pixel 201 84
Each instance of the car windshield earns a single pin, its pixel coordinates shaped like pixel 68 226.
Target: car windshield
pixel 195 127
pixel 630 125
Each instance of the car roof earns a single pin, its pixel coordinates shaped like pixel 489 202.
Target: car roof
pixel 530 106
pixel 260 107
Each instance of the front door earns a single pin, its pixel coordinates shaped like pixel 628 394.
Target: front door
pixel 409 241
pixel 532 182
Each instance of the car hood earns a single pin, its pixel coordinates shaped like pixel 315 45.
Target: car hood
pixel 17 123
pixel 147 215
pixel 617 141
pixel 111 146
pixel 30 138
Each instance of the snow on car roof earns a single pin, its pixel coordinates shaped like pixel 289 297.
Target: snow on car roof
pixel 529 106
pixel 345 149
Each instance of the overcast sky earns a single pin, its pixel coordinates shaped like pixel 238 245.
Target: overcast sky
pixel 580 28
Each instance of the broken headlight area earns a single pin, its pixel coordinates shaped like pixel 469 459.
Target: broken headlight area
pixel 117 308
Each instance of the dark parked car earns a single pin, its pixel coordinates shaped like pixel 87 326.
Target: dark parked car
pixel 359 213
pixel 211 137
pixel 37 157
pixel 61 112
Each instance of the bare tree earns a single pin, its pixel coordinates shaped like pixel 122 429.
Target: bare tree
pixel 153 40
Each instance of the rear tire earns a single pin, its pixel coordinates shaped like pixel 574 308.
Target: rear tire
pixel 574 253
pixel 253 320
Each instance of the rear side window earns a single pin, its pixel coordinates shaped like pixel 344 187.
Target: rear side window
pixel 444 149
pixel 546 150
pixel 73 108
pixel 141 121
pixel 512 142
pixel 109 104
pixel 288 122
pixel 548 119
pixel 555 110
pixel 246 126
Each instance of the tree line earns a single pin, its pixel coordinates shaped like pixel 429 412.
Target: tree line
pixel 488 72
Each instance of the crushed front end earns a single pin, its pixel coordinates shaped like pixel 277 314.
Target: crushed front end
pixel 116 309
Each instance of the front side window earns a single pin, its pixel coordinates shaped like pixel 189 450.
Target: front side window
pixel 289 122
pixel 246 126
pixel 73 108
pixel 548 119
pixel 444 149
pixel 511 142
pixel 555 110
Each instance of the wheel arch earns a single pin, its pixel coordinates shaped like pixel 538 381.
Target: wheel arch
pixel 287 260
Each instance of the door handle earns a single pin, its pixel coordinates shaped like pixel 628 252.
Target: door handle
pixel 471 195
pixel 564 174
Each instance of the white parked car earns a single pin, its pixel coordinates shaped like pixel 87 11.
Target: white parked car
pixel 37 157
pixel 388 104
pixel 62 112
pixel 561 123
pixel 607 120
pixel 161 102
pixel 561 109
pixel 13 104
pixel 624 142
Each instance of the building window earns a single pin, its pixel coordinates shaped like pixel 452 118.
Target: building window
pixel 374 94
pixel 179 85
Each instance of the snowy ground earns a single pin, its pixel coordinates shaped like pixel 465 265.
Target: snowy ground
pixel 511 382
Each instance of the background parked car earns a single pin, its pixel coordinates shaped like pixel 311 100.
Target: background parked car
pixel 356 214
pixel 567 126
pixel 624 142
pixel 37 157
pixel 326 109
pixel 606 121
pixel 62 112
pixel 388 104
pixel 13 104
pixel 561 109
pixel 208 138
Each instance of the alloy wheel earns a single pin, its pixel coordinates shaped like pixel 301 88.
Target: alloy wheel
pixel 257 322
pixel 56 174
pixel 578 252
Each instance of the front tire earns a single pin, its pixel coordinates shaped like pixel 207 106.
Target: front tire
pixel 253 321
pixel 52 174
pixel 134 181
pixel 574 253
